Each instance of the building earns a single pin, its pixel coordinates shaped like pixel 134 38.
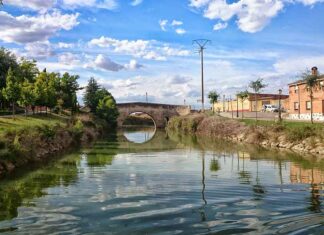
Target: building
pixel 299 99
pixel 249 105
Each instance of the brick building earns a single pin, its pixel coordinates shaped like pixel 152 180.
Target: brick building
pixel 299 99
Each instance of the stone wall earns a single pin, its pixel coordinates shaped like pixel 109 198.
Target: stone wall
pixel 307 116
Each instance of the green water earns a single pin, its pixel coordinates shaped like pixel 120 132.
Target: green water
pixel 166 185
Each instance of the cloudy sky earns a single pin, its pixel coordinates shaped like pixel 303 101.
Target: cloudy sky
pixel 138 46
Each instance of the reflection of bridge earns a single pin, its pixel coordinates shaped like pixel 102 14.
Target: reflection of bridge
pixel 160 113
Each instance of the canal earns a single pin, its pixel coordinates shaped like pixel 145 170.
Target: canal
pixel 143 181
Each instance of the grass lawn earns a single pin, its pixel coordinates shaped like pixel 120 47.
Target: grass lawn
pixel 20 121
pixel 285 123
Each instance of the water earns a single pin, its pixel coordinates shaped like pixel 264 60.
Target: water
pixel 167 185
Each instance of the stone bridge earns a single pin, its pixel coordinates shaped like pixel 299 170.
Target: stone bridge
pixel 160 113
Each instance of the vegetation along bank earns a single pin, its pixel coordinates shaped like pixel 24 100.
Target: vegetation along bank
pixel 296 136
pixel 53 120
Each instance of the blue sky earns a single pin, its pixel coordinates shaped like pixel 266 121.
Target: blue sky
pixel 134 47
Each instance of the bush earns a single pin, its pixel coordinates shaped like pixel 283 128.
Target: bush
pixel 47 131
pixel 297 134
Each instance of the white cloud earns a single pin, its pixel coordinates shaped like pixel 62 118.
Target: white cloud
pixel 107 64
pixel 38 50
pixel 38 5
pixel 180 31
pixel 176 23
pixel 163 24
pixel 199 3
pixel 298 64
pixel 104 4
pixel 68 59
pixel 252 15
pixel 104 63
pixel 175 52
pixel 147 49
pixel 133 65
pixel 65 45
pixel 220 26
pixel 136 2
pixel 173 25
pixel 26 29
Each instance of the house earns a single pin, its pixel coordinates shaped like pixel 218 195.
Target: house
pixel 299 99
pixel 254 102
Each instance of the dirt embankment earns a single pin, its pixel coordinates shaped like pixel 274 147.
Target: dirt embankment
pixel 300 140
pixel 28 145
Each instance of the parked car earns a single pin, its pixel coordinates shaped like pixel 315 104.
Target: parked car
pixel 270 108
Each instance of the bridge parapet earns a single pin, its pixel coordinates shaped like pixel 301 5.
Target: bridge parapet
pixel 160 113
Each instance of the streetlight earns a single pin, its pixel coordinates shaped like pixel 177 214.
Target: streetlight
pixel 279 111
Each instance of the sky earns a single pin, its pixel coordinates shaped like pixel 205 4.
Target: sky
pixel 134 47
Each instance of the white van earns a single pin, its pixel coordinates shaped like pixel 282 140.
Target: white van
pixel 269 108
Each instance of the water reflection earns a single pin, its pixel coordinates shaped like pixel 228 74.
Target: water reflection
pixel 139 135
pixel 170 184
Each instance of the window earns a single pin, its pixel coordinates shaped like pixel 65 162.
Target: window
pixel 296 89
pixel 296 105
pixel 308 105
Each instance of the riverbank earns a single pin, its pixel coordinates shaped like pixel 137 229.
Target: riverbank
pixel 44 137
pixel 298 137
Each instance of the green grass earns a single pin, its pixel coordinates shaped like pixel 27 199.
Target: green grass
pixel 285 123
pixel 20 121
pixel 295 131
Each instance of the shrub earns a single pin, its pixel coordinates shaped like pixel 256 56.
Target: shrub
pixel 297 134
pixel 47 131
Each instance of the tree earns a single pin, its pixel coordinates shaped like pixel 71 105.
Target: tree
pixel 46 89
pixel 256 86
pixel 243 95
pixel 107 110
pixel 90 98
pixel 27 95
pixel 7 60
pixel 311 82
pixel 68 89
pixel 12 90
pixel 213 98
pixel 28 70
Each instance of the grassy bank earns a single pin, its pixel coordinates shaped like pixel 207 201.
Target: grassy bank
pixel 22 122
pixel 25 140
pixel 298 136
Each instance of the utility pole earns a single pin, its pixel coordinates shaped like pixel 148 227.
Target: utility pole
pixel 201 43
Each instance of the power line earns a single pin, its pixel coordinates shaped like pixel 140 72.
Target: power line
pixel 201 43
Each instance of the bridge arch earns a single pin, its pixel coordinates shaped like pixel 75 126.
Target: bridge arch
pixel 129 114
pixel 158 112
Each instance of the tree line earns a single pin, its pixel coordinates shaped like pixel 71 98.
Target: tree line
pixel 23 84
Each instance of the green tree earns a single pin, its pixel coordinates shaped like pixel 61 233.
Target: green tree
pixel 68 88
pixel 27 95
pixel 107 110
pixel 257 86
pixel 91 95
pixel 7 60
pixel 243 95
pixel 46 89
pixel 28 70
pixel 311 80
pixel 213 98
pixel 12 90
